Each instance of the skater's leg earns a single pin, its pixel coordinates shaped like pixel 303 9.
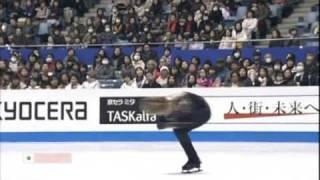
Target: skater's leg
pixel 185 141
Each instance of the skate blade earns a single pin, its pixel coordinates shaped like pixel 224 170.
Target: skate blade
pixel 191 171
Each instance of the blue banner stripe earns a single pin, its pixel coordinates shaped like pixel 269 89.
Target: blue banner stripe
pixel 208 136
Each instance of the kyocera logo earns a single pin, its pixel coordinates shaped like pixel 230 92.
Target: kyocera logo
pixel 41 110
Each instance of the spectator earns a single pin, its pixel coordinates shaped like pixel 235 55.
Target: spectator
pixel 172 82
pixel 216 14
pixel 79 6
pixel 262 13
pixel 196 44
pixel 74 83
pixel 54 83
pixel 226 42
pixel 203 80
pixel 263 78
pixel 277 36
pixel 172 24
pixel 150 82
pixel 107 37
pixel 167 56
pixel 279 79
pixel 55 11
pixel 239 35
pixel 148 53
pixel 63 80
pixel 127 67
pixel 244 81
pixel 128 82
pixel 91 82
pixel 249 24
pixel 293 35
pixel 43 11
pixel 191 81
pixel 152 67
pixel 140 78
pixel 71 56
pixel 311 69
pixel 117 58
pixel 16 83
pixel 163 78
pixel 105 70
pixel 288 78
pixel 138 61
pixel 234 80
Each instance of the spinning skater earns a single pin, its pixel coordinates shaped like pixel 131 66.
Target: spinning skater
pixel 182 113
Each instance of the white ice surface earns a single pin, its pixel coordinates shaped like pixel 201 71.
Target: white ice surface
pixel 154 160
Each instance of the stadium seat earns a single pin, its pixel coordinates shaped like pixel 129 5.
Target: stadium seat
pixel 110 83
pixel 310 18
pixel 241 12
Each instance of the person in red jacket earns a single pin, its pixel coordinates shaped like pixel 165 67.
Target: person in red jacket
pixel 172 24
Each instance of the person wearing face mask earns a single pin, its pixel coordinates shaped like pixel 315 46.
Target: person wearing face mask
pixel 87 37
pixel 236 55
pixel 268 60
pixel 51 63
pixel 277 66
pixel 14 62
pixel 300 78
pixel 106 37
pixel 137 61
pixel 105 70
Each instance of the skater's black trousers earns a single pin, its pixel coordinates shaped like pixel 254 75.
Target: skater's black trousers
pixel 185 141
pixel 198 118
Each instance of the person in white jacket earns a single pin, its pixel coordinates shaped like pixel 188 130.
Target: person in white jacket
pixel 91 82
pixel 227 41
pixel 250 24
pixel 141 8
pixel 239 35
pixel 74 83
pixel 128 82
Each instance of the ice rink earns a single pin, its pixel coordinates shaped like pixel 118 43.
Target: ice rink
pixel 162 160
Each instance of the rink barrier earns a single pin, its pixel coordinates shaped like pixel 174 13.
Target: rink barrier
pixel 279 114
pixel 303 137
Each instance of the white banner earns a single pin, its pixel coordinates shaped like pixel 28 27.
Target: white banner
pixel 233 109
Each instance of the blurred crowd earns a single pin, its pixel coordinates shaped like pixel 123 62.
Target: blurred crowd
pixel 52 22
pixel 187 24
pixel 142 69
